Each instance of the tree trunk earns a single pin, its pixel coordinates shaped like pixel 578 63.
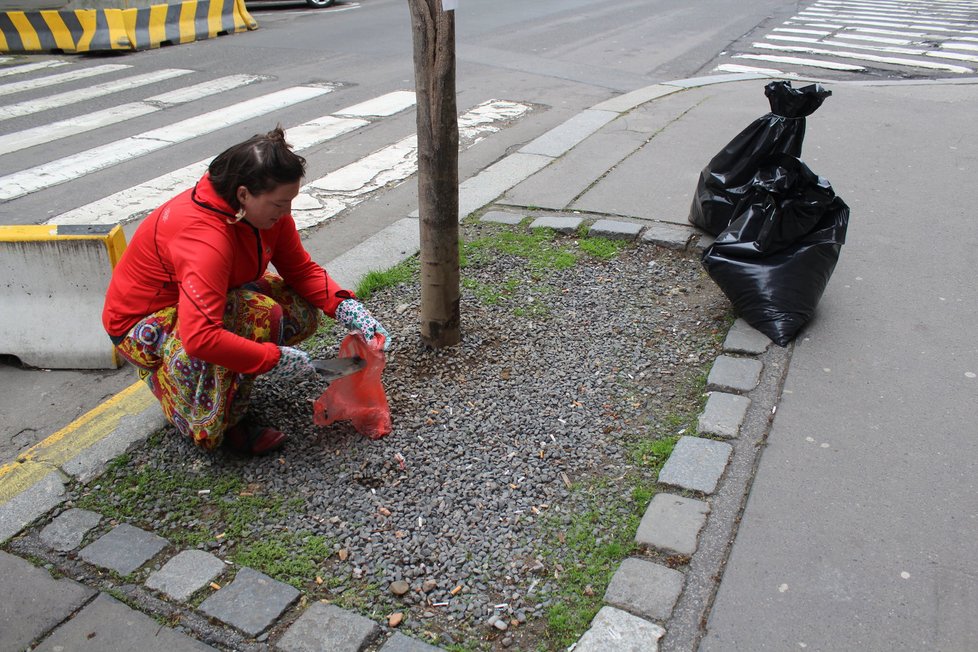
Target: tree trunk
pixel 434 72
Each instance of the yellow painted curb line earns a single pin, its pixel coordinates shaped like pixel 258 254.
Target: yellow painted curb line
pixel 47 455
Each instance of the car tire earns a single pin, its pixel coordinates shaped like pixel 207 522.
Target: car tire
pixel 320 4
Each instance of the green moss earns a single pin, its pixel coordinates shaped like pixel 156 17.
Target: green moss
pixel 602 248
pixel 289 557
pixel 595 542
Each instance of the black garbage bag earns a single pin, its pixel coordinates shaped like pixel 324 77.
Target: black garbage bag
pixel 775 258
pixel 727 178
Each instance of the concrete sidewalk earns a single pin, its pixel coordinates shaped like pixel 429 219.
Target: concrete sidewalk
pixel 859 529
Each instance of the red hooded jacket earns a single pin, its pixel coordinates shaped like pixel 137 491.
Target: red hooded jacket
pixel 186 254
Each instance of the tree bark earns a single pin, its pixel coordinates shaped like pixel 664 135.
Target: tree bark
pixel 437 117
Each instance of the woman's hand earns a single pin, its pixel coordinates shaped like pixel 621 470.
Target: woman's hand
pixel 294 364
pixel 354 316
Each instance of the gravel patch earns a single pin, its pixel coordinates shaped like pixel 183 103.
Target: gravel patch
pixel 558 372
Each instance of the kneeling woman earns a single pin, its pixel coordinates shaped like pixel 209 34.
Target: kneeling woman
pixel 192 305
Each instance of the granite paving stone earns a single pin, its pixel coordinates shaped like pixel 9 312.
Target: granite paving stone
pixel 252 602
pixel 723 415
pixel 744 338
pixel 672 524
pixel 559 224
pixel 42 602
pixel 696 464
pixel 736 375
pixel 644 588
pixel 502 217
pixel 615 230
pixel 107 625
pixel 123 549
pixel 401 643
pixel 327 628
pixel 185 574
pixel 68 529
pixel 614 630
pixel 669 236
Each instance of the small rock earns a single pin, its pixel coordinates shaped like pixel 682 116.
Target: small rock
pixel 506 642
pixel 400 587
pixel 429 585
pixel 395 619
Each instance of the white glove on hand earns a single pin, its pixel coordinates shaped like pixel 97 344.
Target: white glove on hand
pixel 353 315
pixel 293 365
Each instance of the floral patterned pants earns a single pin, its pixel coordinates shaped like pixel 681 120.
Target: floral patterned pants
pixel 200 399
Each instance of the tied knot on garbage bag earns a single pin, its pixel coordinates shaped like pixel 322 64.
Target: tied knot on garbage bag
pixel 359 398
pixel 727 178
pixel 779 227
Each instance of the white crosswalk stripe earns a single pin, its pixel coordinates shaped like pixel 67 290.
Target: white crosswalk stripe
pixel 333 193
pixel 30 67
pixel 68 98
pixel 98 158
pixel 320 199
pixel 880 37
pixel 136 201
pixel 52 80
pixel 72 126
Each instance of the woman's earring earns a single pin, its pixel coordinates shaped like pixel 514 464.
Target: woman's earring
pixel 238 216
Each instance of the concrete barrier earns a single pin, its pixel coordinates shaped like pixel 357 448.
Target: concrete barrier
pixel 52 285
pixel 115 29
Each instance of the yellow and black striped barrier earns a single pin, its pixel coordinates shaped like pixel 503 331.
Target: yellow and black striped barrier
pixel 100 30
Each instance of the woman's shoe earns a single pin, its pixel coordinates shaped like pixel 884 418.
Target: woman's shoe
pixel 252 439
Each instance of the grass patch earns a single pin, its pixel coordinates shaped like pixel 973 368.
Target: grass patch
pixel 362 598
pixel 401 273
pixel 652 453
pixel 491 294
pixel 189 509
pixel 289 557
pixel 537 247
pixel 592 546
pixel 602 248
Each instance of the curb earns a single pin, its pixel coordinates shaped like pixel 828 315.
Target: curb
pixel 33 484
pixel 106 30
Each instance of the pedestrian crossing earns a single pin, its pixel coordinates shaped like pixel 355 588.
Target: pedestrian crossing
pixel 881 38
pixel 320 199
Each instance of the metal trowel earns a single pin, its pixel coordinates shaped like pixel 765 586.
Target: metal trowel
pixel 338 367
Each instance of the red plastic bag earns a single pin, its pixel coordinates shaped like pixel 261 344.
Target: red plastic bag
pixel 360 397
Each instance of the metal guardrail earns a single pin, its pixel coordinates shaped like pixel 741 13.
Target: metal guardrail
pixel 114 29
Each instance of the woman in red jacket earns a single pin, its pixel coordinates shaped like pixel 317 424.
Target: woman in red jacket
pixel 192 305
